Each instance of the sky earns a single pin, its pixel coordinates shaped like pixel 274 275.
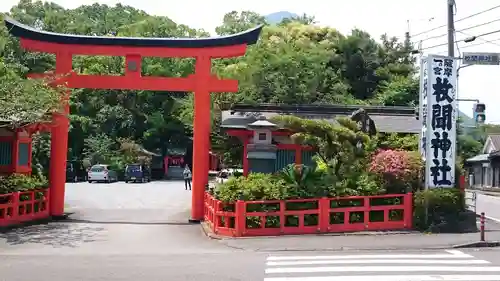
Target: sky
pixel 393 17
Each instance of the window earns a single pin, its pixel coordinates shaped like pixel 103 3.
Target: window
pixel 134 168
pixel 483 176
pixel 5 153
pixel 98 169
pixel 23 154
pixel 262 136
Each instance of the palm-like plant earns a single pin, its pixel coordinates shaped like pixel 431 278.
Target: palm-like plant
pixel 302 181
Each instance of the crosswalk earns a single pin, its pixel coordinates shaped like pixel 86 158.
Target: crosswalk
pixel 449 265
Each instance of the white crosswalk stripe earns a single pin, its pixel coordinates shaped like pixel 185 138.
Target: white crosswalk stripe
pixel 451 265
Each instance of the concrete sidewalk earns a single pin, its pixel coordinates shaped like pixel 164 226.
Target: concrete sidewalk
pixel 359 241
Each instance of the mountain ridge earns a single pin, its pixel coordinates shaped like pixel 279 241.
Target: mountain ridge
pixel 277 17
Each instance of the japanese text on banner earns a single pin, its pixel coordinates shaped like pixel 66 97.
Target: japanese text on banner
pixel 441 122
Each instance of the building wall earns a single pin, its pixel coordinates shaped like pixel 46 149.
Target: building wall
pixel 484 175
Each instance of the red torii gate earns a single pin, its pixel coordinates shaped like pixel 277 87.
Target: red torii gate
pixel 202 82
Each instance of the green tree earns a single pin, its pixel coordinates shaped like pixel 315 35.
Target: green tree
pixel 23 101
pixel 235 22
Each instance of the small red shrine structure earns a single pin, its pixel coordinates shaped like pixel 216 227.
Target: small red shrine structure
pixel 15 147
pixel 202 82
pixel 268 148
pixel 15 151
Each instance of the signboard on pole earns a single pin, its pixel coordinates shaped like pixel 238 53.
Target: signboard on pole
pixel 481 58
pixel 441 120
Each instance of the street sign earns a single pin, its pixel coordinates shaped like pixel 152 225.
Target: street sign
pixel 481 58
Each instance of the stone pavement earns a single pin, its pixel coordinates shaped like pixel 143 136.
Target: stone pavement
pixel 119 202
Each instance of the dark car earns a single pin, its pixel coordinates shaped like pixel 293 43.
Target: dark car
pixel 75 171
pixel 137 173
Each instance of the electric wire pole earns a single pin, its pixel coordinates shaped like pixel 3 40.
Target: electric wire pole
pixel 451 28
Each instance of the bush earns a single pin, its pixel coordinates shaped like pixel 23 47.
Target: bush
pixel 256 186
pixel 398 171
pixel 444 206
pixel 20 182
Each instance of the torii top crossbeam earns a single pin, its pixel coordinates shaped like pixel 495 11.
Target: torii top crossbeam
pixel 224 46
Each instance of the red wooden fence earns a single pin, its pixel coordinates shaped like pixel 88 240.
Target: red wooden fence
pixel 307 216
pixel 21 207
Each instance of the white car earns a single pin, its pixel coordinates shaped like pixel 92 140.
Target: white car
pixel 102 173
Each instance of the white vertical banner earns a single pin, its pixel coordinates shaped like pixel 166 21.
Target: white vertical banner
pixel 441 121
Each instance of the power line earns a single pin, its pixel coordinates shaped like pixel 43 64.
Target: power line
pixel 461 40
pixel 463 29
pixel 464 18
pixel 477 44
pixel 482 43
pixel 480 38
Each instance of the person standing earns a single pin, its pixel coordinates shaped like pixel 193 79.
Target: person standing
pixel 187 177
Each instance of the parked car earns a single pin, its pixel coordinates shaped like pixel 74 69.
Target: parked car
pixel 137 173
pixel 75 171
pixel 102 173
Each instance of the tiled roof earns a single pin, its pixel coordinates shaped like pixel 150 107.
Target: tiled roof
pixel 387 119
pixel 479 158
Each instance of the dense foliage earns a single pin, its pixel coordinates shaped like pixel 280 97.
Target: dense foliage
pixel 343 148
pixel 294 62
pixel 349 166
pixel 22 101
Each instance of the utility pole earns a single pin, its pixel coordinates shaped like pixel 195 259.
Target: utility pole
pixel 451 28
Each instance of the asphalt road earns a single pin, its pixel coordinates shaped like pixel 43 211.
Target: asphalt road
pixel 139 232
pixel 490 205
pixel 469 265
pixel 122 232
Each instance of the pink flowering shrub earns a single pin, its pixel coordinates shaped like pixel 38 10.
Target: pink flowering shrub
pixel 397 170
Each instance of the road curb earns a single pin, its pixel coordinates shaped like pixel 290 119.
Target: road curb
pixel 478 244
pixel 207 231
pixel 205 228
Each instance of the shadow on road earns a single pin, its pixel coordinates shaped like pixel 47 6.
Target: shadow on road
pixel 52 234
pixel 82 221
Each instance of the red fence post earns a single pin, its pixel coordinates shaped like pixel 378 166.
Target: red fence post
pixel 408 210
pixel 240 218
pixel 366 213
pixel 282 216
pixel 15 207
pixel 324 215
